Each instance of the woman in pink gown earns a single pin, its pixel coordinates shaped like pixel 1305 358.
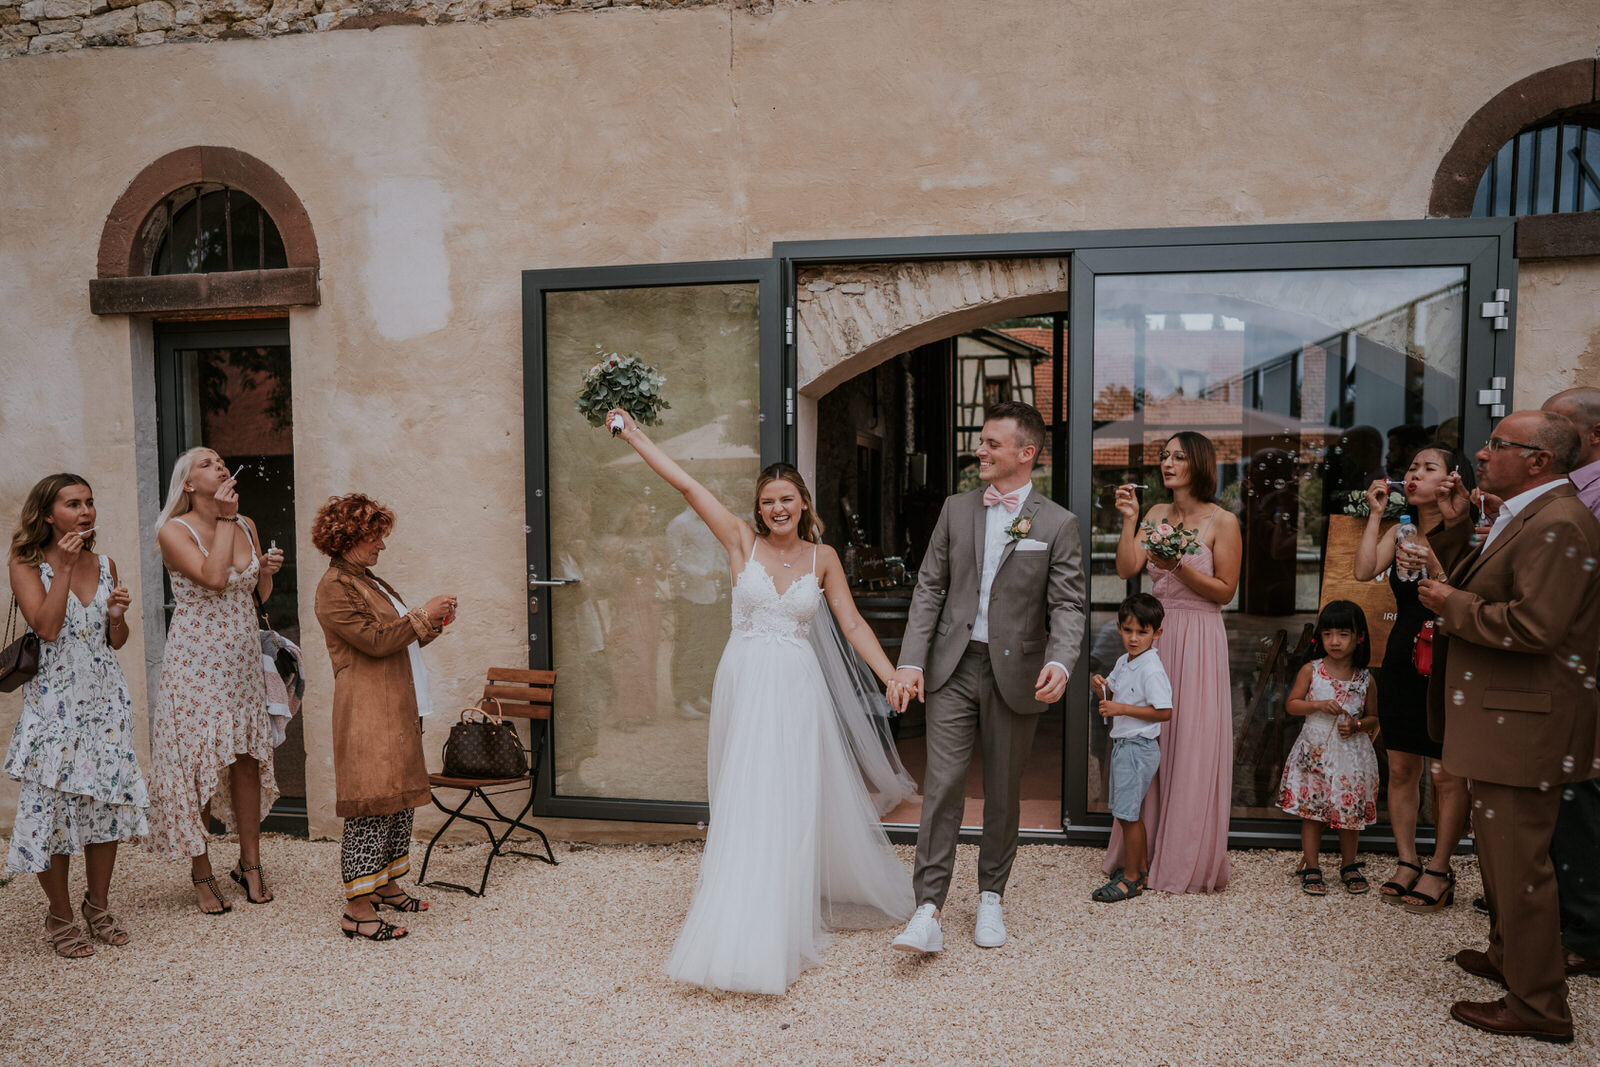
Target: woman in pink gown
pixel 1186 810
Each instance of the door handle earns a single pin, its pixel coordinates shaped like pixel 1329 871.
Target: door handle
pixel 552 581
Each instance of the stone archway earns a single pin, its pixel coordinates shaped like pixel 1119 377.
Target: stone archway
pixel 849 319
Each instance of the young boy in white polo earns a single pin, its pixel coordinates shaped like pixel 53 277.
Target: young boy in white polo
pixel 1137 699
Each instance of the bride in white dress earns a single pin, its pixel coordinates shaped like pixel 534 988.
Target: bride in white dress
pixel 794 846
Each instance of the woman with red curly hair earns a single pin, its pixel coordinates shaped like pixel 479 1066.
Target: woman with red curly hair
pixel 380 692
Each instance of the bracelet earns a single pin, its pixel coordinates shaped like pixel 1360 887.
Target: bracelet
pixel 230 518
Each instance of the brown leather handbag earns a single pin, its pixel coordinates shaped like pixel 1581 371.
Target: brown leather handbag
pixel 19 660
pixel 484 745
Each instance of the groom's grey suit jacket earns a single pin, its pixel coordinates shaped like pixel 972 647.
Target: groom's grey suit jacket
pixel 1036 604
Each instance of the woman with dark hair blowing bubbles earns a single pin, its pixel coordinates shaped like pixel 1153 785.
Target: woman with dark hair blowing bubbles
pixel 1186 811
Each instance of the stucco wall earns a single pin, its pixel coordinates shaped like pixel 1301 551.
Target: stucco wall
pixel 438 162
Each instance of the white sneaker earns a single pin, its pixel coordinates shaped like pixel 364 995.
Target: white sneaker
pixel 922 934
pixel 990 932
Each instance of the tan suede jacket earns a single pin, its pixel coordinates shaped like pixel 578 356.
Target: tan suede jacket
pixel 378 765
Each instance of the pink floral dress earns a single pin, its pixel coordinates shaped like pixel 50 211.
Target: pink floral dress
pixel 1328 778
pixel 211 706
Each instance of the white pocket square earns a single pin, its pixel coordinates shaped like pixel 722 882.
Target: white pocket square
pixel 1028 544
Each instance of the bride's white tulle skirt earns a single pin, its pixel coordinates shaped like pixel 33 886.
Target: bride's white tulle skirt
pixel 794 846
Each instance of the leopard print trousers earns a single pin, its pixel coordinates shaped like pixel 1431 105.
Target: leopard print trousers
pixel 376 851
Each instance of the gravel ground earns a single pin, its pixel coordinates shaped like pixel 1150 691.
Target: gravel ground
pixel 563 965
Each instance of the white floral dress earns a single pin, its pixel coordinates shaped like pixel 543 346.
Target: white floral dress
pixel 1327 778
pixel 72 748
pixel 210 707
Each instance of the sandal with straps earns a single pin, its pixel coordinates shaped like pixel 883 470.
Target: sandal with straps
pixel 1391 891
pixel 1355 883
pixel 1118 889
pixel 384 932
pixel 67 940
pixel 210 882
pixel 1311 881
pixel 1423 903
pixel 103 924
pixel 399 901
pixel 238 875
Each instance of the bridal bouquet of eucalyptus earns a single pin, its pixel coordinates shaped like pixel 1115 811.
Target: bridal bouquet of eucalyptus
pixel 1166 541
pixel 622 381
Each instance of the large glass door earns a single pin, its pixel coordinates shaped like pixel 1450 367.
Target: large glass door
pixel 1313 369
pixel 628 594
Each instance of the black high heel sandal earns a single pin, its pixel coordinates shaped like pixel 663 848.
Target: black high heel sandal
pixel 400 901
pixel 238 875
pixel 1399 889
pixel 384 932
pixel 210 882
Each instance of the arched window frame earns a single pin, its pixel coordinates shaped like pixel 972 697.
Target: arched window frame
pixel 1568 91
pixel 133 228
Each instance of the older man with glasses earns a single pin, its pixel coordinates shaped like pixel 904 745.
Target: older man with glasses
pixel 1512 696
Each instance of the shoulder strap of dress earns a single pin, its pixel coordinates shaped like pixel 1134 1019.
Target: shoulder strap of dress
pixel 813 557
pixel 192 534
pixel 753 545
pixel 245 526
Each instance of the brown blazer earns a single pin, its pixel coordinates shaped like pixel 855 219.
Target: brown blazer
pixel 1507 695
pixel 378 766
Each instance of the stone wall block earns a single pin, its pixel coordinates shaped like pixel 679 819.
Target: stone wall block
pixel 155 15
pixel 141 40
pixel 9 16
pixel 54 42
pixel 122 23
pixel 66 9
pixel 32 10
pixel 239 9
pixel 48 26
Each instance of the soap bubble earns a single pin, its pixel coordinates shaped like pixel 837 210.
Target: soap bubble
pixel 1499 720
pixel 1458 697
pixel 1544 787
pixel 1466 676
pixel 1588 563
pixel 526 528
pixel 1567 763
pixel 1488 813
pixel 1567 793
pixel 1477 803
pixel 1572 550
pixel 1549 537
pixel 1574 661
pixel 1506 640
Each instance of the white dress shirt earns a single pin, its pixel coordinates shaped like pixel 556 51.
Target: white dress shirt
pixel 994 543
pixel 1511 508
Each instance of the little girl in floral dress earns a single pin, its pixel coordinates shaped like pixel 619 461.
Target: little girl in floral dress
pixel 1331 776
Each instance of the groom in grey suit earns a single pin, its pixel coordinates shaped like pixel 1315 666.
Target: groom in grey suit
pixel 996 618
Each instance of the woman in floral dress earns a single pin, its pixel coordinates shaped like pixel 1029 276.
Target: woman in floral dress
pixel 72 748
pixel 211 736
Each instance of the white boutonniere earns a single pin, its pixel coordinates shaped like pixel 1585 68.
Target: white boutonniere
pixel 1019 528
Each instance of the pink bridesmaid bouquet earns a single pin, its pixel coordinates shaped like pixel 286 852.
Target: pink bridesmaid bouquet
pixel 1166 541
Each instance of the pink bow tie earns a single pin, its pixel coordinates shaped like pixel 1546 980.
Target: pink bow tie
pixel 1010 501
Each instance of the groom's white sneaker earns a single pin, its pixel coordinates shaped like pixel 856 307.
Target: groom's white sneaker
pixel 990 932
pixel 923 933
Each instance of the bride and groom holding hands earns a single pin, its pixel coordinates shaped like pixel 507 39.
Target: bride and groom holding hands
pixel 800 768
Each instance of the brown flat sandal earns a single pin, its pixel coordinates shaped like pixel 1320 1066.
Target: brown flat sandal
pixel 103 924
pixel 67 940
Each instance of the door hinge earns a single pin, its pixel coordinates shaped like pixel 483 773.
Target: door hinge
pixel 1497 309
pixel 1493 397
pixel 788 406
pixel 788 325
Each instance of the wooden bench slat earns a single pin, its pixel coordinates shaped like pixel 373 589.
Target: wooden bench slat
pixel 527 677
pixel 440 781
pixel 520 694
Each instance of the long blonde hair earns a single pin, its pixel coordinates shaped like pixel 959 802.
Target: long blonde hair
pixel 180 502
pixel 33 533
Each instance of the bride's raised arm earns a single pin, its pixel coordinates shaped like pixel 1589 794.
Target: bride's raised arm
pixel 733 532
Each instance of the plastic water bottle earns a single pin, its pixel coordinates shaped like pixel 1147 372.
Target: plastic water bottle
pixel 1405 533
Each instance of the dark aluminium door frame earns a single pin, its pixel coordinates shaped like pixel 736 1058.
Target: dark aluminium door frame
pixel 777 442
pixel 1483 246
